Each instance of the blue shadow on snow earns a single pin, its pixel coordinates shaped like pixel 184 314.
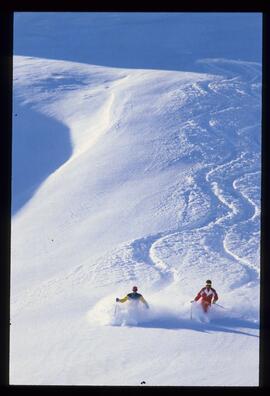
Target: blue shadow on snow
pixel 226 325
pixel 140 40
pixel 40 145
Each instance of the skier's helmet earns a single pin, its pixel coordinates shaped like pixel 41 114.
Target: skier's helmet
pixel 208 282
pixel 134 288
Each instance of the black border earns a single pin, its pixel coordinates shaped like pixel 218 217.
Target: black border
pixel 265 215
pixel 95 5
pixel 6 46
pixel 6 51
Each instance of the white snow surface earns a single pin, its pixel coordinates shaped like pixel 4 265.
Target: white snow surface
pixel 122 177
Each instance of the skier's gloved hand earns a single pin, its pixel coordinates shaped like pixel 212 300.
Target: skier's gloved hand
pixel 192 301
pixel 117 299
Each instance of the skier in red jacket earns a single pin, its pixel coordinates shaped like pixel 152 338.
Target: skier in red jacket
pixel 206 296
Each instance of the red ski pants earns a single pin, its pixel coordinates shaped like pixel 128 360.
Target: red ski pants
pixel 205 305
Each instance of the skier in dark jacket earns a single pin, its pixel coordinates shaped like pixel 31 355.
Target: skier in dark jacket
pixel 206 296
pixel 134 296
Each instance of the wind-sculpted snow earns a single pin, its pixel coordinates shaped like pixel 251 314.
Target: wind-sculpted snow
pixel 159 186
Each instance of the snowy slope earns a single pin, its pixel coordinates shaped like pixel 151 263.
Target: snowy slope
pixel 127 176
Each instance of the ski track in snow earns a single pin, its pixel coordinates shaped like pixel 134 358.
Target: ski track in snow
pixel 211 206
pixel 241 209
pixel 147 176
pixel 210 216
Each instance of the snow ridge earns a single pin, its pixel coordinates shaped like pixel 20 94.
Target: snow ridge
pixel 161 189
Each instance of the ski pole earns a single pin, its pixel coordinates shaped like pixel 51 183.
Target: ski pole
pixel 220 306
pixel 191 310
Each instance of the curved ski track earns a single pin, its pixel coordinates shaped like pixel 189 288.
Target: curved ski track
pixel 230 207
pixel 200 241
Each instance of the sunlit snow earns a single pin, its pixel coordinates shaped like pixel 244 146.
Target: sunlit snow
pixel 127 175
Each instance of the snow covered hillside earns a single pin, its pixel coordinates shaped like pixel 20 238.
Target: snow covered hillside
pixel 133 175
